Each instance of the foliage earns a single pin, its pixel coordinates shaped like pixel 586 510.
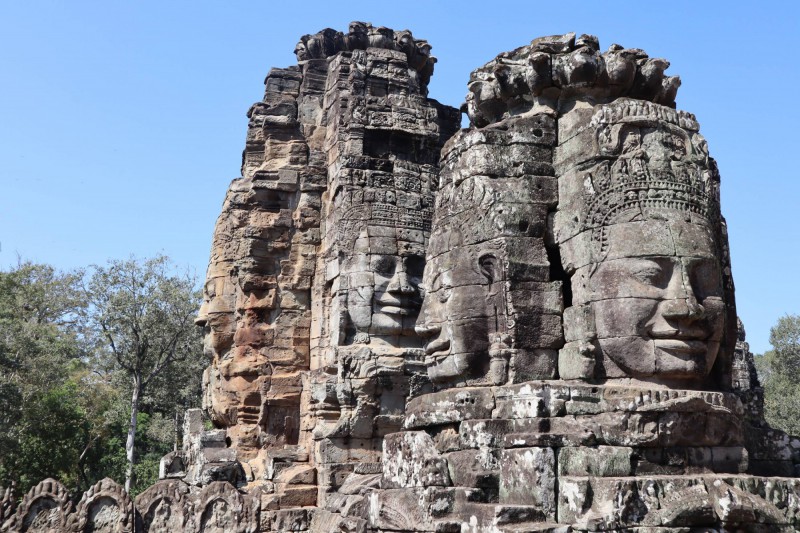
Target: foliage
pixel 42 417
pixel 65 397
pixel 785 340
pixel 779 372
pixel 142 316
pixel 51 433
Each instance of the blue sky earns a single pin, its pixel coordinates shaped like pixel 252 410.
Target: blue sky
pixel 122 123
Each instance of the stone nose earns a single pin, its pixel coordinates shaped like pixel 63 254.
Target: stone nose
pixel 683 303
pixel 400 282
pixel 686 308
pixel 427 326
pixel 202 316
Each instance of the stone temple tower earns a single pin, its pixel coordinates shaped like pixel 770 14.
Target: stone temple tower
pixel 313 287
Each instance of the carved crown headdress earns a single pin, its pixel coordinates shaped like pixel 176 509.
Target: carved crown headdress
pixel 669 176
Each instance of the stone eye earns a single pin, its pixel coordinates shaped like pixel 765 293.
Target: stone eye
pixel 705 279
pixel 211 290
pixel 385 266
pixel 414 265
pixel 649 273
pixel 444 294
pixel 488 266
pixel 441 289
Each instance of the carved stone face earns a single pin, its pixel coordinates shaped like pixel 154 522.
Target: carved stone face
pixel 462 309
pixel 216 316
pixel 657 300
pixel 383 279
pixel 640 234
pixel 301 50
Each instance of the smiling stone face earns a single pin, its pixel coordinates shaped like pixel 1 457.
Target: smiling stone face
pixel 383 279
pixel 642 238
pixel 657 314
pixel 216 317
pixel 492 312
pixel 463 307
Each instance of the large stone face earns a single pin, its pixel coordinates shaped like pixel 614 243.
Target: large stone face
pixel 641 236
pixel 580 320
pixel 491 311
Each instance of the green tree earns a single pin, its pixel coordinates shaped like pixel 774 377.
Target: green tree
pixel 42 416
pixel 51 433
pixel 779 372
pixel 142 316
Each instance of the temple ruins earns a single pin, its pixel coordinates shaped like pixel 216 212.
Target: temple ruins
pixel 525 325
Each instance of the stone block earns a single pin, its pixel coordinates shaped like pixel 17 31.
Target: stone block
pixel 699 429
pixel 521 515
pixel 449 406
pixel 290 519
pixel 410 459
pixel 172 465
pixel 298 496
pixel 528 478
pixel 601 461
pixel 637 429
pixel 399 510
pixel 344 450
pixel 483 433
pixel 446 438
pixel 533 364
pixel 475 469
pixel 549 432
pixel 297 474
pixel 576 361
pixel 531 400
pixel 729 459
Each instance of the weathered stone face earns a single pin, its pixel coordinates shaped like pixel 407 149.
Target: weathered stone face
pixel 492 311
pixel 384 279
pixel 661 315
pixel 641 236
pixel 216 317
pixel 463 307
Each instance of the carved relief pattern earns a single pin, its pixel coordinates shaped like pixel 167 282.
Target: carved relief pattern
pixel 104 508
pixel 163 507
pixel 44 508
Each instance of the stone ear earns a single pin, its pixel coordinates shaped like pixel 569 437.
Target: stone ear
pixel 488 267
